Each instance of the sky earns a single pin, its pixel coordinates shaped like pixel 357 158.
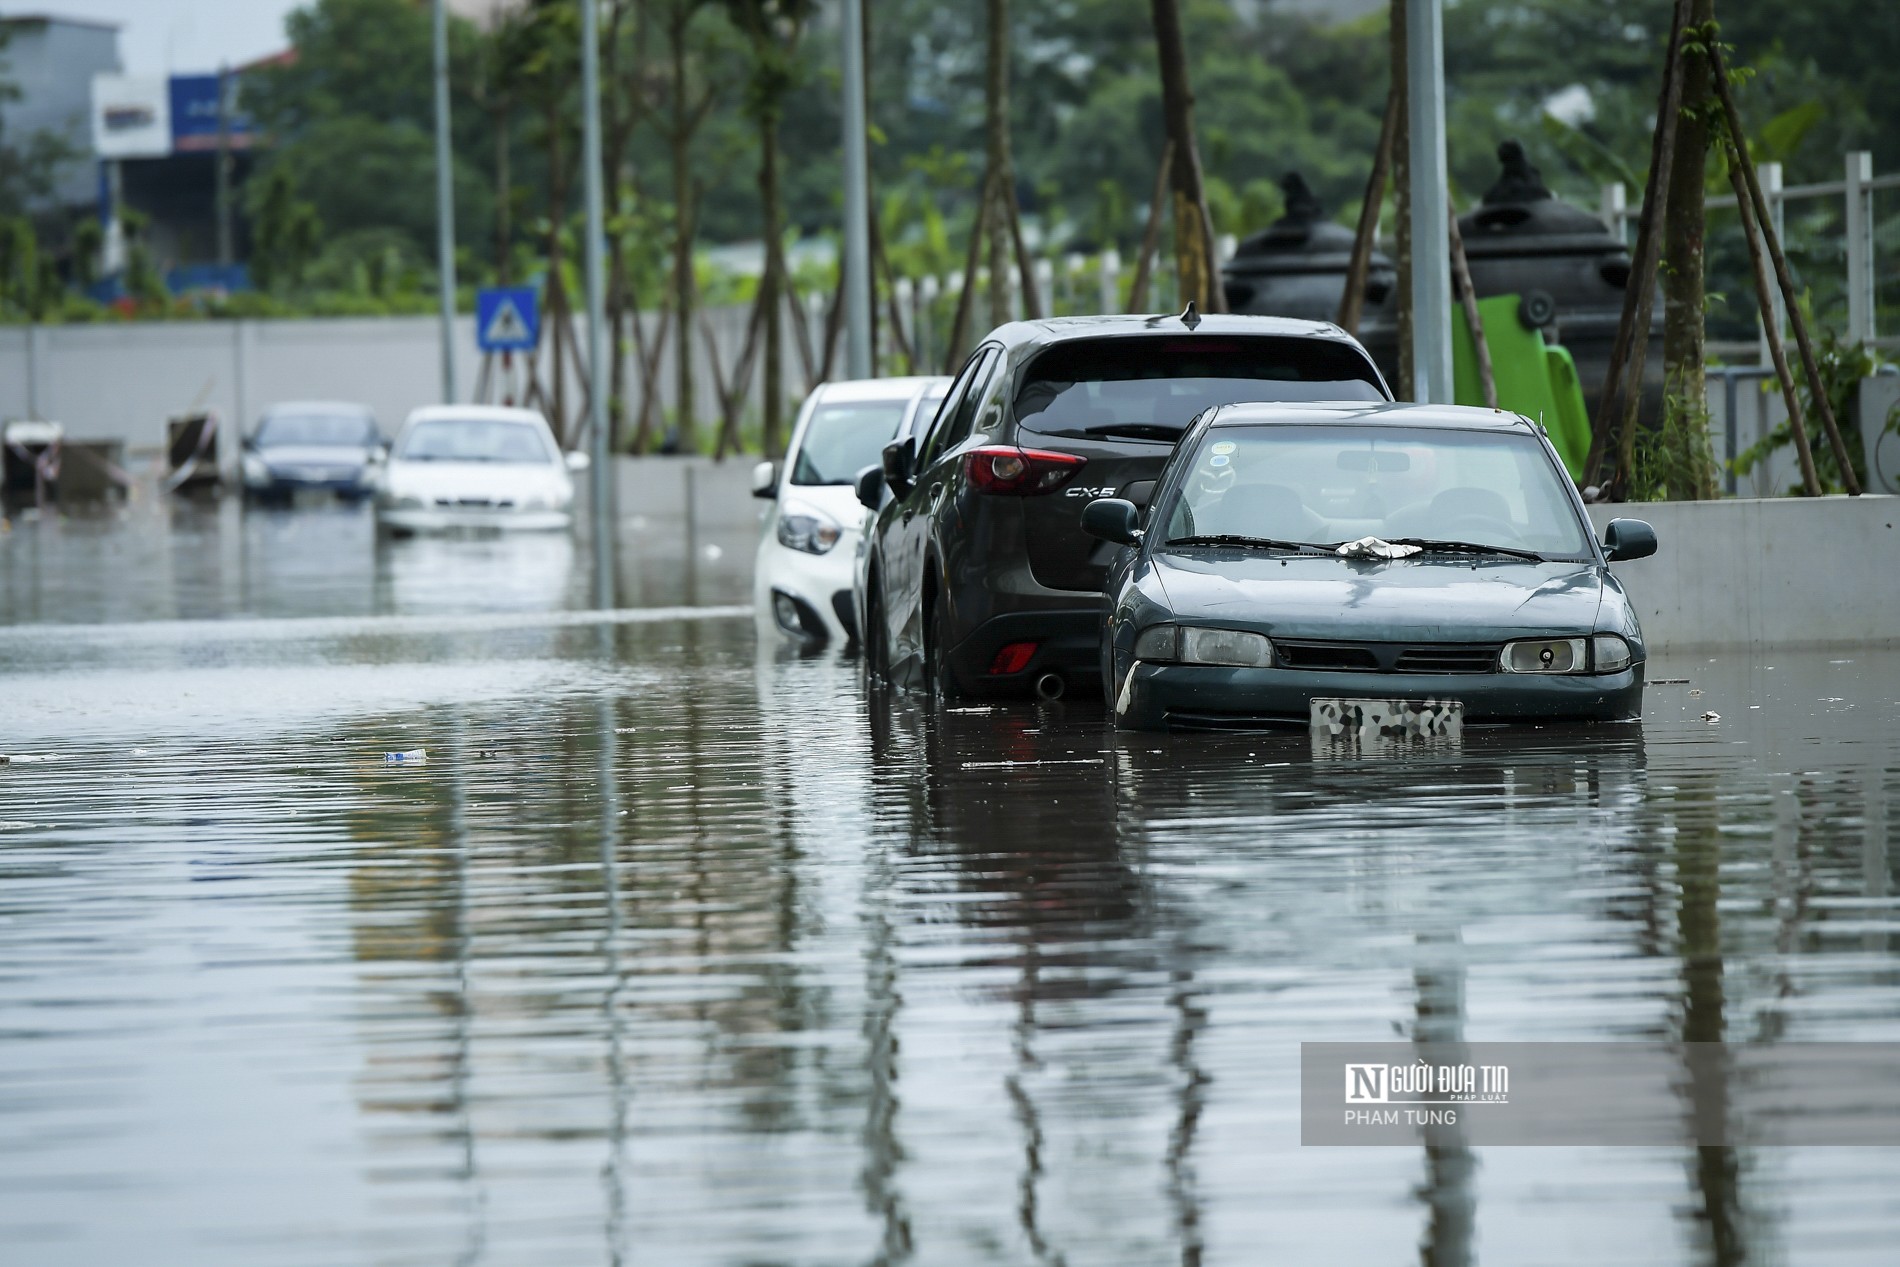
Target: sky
pixel 159 37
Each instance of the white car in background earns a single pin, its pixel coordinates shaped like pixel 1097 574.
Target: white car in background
pixel 801 581
pixel 475 466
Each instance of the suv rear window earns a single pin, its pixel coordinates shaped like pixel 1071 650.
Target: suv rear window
pixel 1153 387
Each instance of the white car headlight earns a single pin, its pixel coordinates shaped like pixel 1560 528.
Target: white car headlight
pixel 1546 655
pixel 807 529
pixel 256 470
pixel 1189 644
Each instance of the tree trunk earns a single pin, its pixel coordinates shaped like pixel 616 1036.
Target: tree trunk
pixel 684 212
pixel 996 135
pixel 1684 318
pixel 1352 301
pixel 1151 232
pixel 556 287
pixel 1402 203
pixel 504 230
pixel 1194 251
pixel 771 302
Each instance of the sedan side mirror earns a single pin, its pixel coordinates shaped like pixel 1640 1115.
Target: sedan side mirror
pixel 870 484
pixel 898 457
pixel 1628 539
pixel 765 480
pixel 577 460
pixel 1112 519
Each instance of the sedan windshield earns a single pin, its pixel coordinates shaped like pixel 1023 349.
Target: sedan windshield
pixel 475 440
pixel 842 440
pixel 317 431
pixel 1448 491
pixel 1152 387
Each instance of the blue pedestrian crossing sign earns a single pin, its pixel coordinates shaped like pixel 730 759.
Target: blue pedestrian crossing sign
pixel 507 319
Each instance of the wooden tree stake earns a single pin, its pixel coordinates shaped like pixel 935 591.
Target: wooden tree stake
pixel 1352 302
pixel 1777 352
pixel 1765 223
pixel 1623 382
pixel 1468 297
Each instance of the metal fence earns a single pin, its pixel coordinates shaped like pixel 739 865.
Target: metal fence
pixel 1840 228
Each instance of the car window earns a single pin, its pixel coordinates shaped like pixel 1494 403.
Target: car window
pixel 1330 484
pixel 841 440
pixel 317 430
pixel 475 440
pixel 1153 386
pixel 957 418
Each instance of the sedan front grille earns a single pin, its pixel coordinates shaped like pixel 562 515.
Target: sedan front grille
pixel 1449 658
pixel 1351 656
pixel 1386 657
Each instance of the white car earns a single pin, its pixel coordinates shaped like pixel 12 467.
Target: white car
pixel 801 581
pixel 475 466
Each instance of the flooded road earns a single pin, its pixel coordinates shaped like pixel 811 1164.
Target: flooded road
pixel 679 948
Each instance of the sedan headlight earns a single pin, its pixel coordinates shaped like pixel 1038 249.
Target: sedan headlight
pixel 1602 653
pixel 1233 648
pixel 256 470
pixel 808 530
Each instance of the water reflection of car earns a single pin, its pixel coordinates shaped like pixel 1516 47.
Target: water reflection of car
pixel 476 467
pixel 809 543
pixel 322 446
pixel 1235 608
pixel 980 580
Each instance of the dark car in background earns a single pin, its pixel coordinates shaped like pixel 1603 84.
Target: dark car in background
pixel 978 579
pixel 1403 568
pixel 314 445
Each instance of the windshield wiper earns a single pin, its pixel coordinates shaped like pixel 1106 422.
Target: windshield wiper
pixel 1135 430
pixel 1465 547
pixel 1256 543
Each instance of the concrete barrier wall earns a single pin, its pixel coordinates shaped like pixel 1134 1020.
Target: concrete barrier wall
pixel 1782 572
pixel 120 380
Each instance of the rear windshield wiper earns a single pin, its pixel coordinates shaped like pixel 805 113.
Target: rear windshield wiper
pixel 1135 430
pixel 1256 543
pixel 1465 547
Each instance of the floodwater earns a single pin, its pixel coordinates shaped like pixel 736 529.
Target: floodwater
pixel 679 949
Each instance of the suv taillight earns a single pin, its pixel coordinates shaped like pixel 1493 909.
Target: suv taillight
pixel 1010 471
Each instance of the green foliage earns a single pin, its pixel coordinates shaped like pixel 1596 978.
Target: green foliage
pixel 1675 462
pixel 1843 365
pixel 287 236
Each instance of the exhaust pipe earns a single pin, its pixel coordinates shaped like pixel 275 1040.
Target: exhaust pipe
pixel 1050 686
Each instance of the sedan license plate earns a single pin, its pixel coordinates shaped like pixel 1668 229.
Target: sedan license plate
pixel 1387 719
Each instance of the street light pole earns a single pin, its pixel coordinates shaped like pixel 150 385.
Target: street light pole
pixel 1431 184
pixel 857 181
pixel 444 203
pixel 591 181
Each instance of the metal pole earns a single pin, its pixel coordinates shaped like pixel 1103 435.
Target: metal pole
pixel 444 202
pixel 1860 247
pixel 222 175
pixel 1431 198
pixel 857 181
pixel 592 179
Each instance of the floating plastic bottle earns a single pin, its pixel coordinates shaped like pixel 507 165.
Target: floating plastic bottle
pixel 415 756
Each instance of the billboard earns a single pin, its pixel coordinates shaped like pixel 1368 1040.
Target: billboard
pixel 194 114
pixel 131 116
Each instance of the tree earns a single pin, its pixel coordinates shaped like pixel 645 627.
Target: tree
pixel 351 118
pixel 287 236
pixel 1196 257
pixel 1684 321
pixel 772 29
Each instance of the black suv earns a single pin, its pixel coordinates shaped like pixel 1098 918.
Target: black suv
pixel 979 580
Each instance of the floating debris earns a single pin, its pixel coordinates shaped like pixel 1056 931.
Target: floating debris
pixel 1711 717
pixel 415 756
pixel 994 765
